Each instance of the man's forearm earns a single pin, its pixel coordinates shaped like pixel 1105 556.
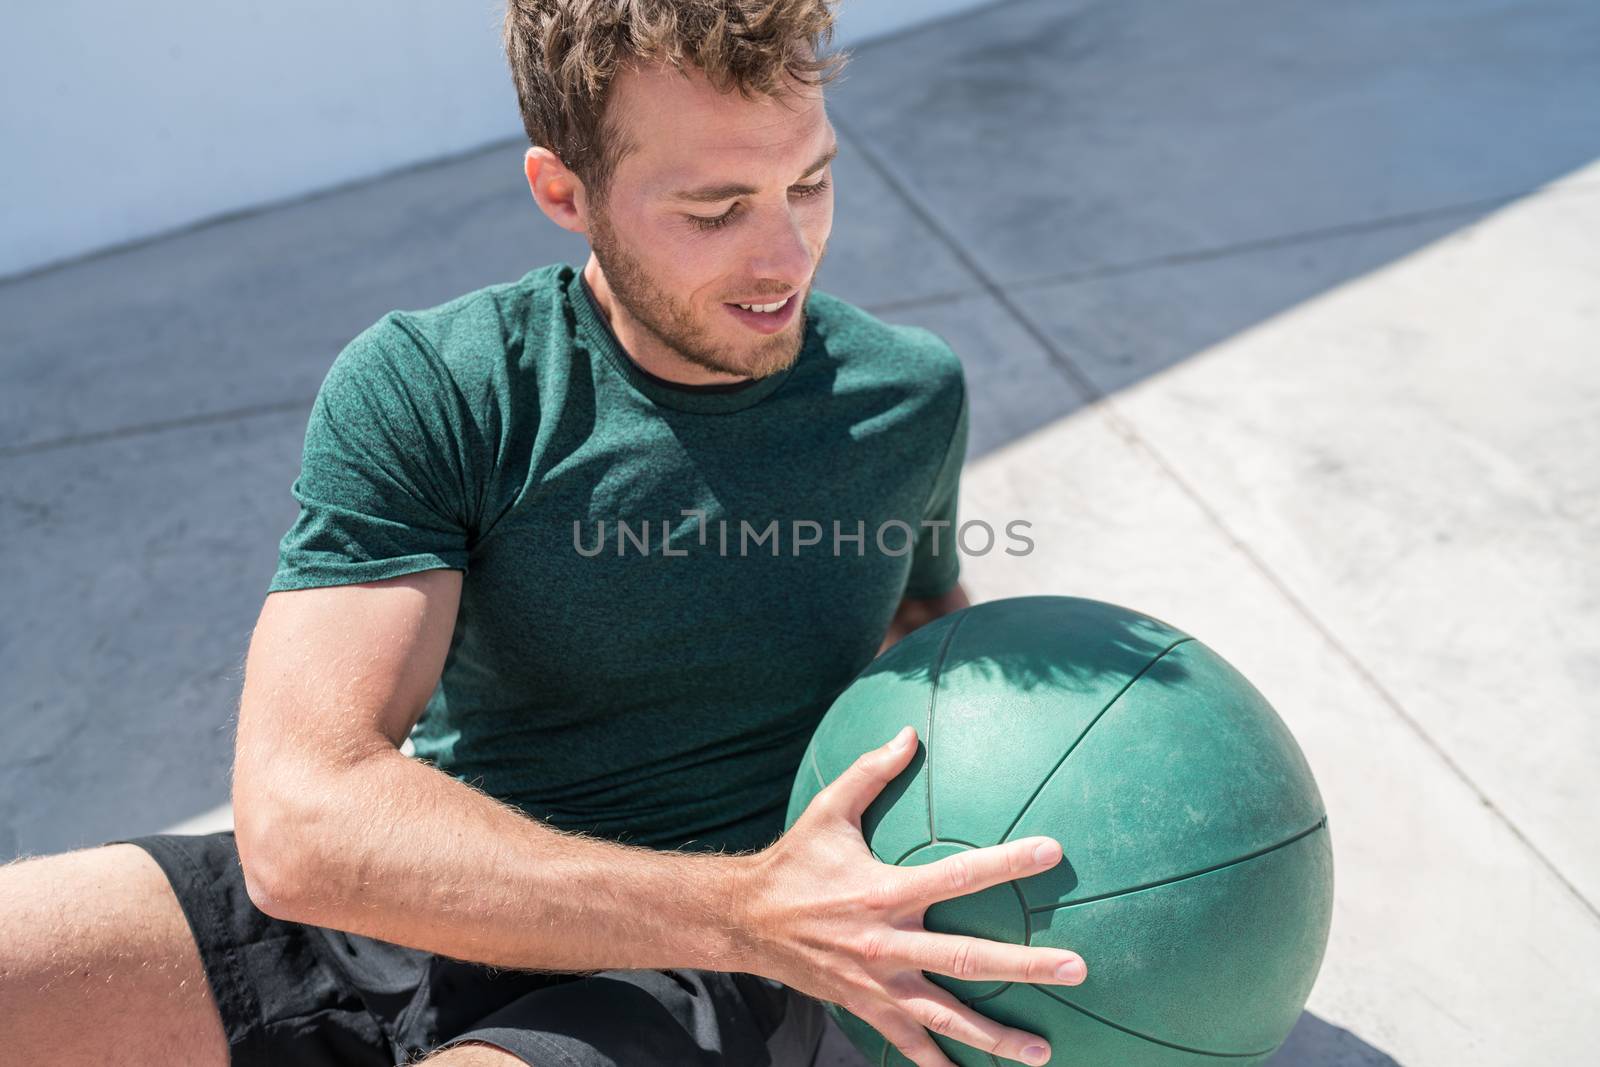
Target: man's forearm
pixel 393 849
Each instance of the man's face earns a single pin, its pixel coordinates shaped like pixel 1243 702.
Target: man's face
pixel 675 265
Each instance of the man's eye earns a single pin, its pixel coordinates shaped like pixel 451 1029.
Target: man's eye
pixel 716 222
pixel 703 223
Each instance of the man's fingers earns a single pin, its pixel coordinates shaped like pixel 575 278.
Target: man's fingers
pixel 942 1013
pixel 850 793
pixel 975 959
pixel 980 868
pixel 909 1036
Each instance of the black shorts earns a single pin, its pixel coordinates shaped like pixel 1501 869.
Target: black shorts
pixel 290 993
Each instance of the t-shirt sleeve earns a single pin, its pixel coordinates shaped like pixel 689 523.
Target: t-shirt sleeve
pixel 386 474
pixel 935 562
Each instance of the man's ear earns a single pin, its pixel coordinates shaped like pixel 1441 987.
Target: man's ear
pixel 558 192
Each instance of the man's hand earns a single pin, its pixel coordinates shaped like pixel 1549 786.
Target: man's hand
pixel 834 922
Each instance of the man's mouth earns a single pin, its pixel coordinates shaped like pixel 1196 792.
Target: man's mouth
pixel 766 309
pixel 765 318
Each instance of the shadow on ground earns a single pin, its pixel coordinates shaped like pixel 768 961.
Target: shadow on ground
pixel 1314 1043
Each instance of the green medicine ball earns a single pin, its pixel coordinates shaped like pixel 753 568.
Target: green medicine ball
pixel 1197 880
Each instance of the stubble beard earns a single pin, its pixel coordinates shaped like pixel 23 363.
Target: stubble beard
pixel 673 324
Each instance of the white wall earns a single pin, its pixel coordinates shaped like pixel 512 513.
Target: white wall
pixel 120 121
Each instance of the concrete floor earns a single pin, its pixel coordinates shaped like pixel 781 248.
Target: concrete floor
pixel 1281 323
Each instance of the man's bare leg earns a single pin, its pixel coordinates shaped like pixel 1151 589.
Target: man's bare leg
pixel 98 967
pixel 474 1055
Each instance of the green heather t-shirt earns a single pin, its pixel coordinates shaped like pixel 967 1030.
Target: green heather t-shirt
pixel 655 610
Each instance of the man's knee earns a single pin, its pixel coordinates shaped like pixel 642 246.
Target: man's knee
pixel 473 1054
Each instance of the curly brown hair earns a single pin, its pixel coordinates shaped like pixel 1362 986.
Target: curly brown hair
pixel 564 55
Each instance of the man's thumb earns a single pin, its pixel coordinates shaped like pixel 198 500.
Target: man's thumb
pixel 864 779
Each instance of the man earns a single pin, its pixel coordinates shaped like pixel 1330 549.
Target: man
pixel 603 545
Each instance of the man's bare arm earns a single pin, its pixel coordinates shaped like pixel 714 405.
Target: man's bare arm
pixel 337 828
pixel 396 850
pixel 914 613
